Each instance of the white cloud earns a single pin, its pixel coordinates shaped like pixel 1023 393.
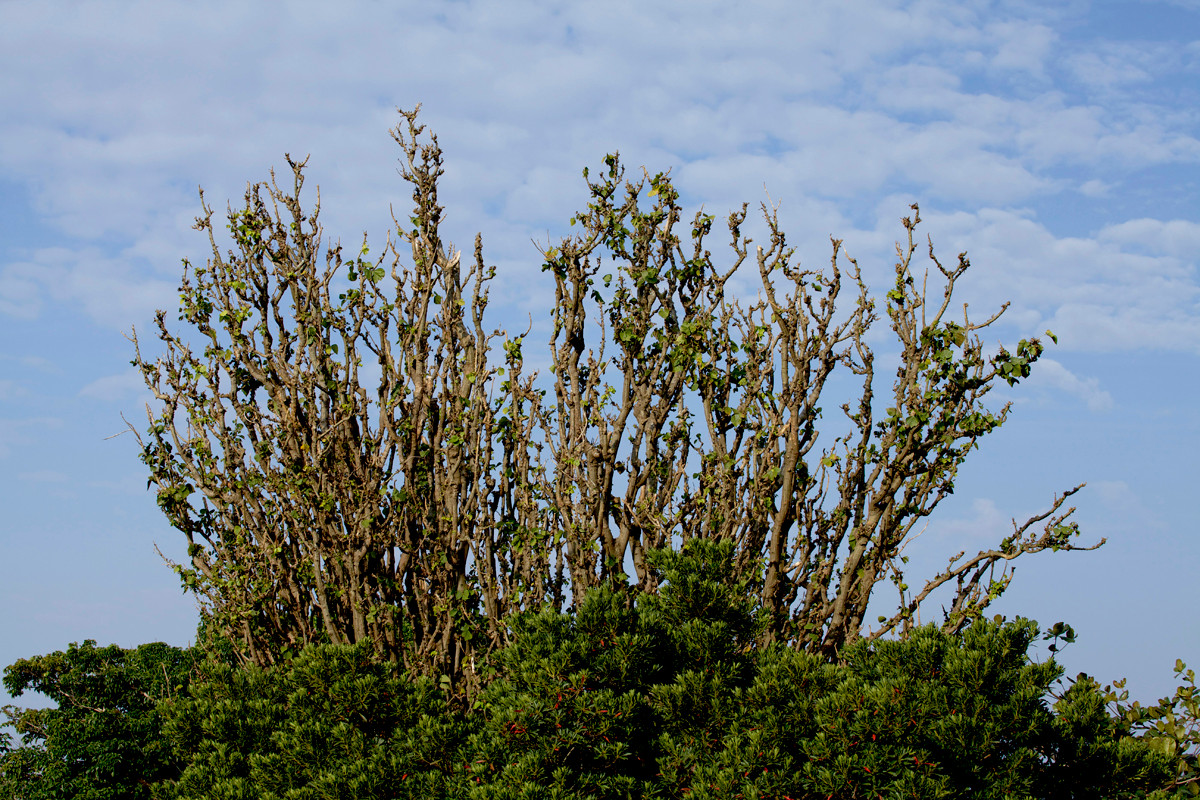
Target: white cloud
pixel 1095 188
pixel 33 362
pixel 108 288
pixel 1105 69
pixel 1051 373
pixel 1117 495
pixel 20 295
pixel 112 388
pixel 827 105
pixel 984 524
pixel 1178 237
pixel 1022 46
pixel 1092 292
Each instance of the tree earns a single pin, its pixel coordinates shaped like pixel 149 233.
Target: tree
pixel 419 510
pixel 104 739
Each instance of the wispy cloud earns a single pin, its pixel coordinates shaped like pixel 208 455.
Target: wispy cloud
pixel 108 288
pixel 1179 238
pixel 982 526
pixel 16 432
pixel 824 104
pixel 1050 373
pixel 1094 293
pixel 113 388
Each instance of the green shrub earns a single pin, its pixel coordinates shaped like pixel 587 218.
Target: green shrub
pixel 582 700
pixel 104 739
pixel 664 695
pixel 332 723
pixel 932 716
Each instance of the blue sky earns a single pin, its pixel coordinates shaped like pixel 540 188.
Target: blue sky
pixel 1059 146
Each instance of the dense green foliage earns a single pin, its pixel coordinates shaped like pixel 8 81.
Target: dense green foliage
pixel 633 695
pixel 332 723
pixel 585 703
pixel 665 697
pixel 105 738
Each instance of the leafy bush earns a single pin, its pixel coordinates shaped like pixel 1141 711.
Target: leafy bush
pixel 582 700
pixel 933 716
pixel 1171 727
pixel 105 739
pixel 332 723
pixel 663 695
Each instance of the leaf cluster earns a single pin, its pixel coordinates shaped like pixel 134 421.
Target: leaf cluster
pixel 1171 726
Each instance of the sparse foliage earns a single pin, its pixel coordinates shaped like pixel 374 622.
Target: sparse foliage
pixel 351 458
pixel 1171 727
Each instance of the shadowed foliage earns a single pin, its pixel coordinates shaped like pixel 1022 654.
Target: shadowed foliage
pixel 104 739
pixel 628 695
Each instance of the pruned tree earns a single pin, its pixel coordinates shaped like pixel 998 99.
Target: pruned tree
pixel 351 458
pixel 817 528
pixel 329 509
